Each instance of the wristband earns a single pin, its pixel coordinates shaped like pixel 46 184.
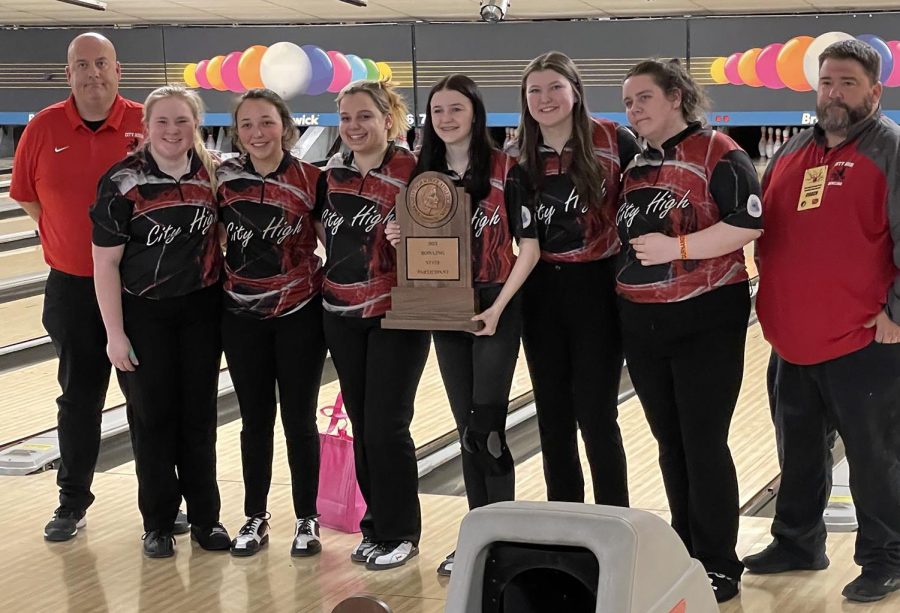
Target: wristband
pixel 682 245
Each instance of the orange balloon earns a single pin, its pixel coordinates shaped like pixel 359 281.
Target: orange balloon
pixel 189 79
pixel 214 73
pixel 747 67
pixel 248 67
pixel 717 71
pixel 789 63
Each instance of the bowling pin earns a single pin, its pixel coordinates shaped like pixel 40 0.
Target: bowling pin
pixel 770 142
pixel 762 142
pixel 777 144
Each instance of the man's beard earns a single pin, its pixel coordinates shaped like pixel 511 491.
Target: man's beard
pixel 837 118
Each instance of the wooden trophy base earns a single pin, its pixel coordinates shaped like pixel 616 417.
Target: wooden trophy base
pixel 437 308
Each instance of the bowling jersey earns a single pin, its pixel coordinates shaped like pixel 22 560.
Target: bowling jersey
pixel 699 178
pixel 572 230
pixel 360 263
pixel 830 258
pixel 168 226
pixel 271 268
pixel 502 215
pixel 58 161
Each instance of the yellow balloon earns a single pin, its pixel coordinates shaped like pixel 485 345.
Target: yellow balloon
pixel 214 73
pixel 717 71
pixel 189 79
pixel 384 71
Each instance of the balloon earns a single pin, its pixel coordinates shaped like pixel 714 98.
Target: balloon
pixel 214 73
pixel 357 66
pixel 747 67
pixel 189 77
pixel 765 66
pixel 200 75
pixel 894 79
pixel 811 57
pixel 372 73
pixel 384 71
pixel 285 69
pixel 322 70
pixel 230 76
pixel 789 63
pixel 248 67
pixel 887 58
pixel 342 71
pixel 731 69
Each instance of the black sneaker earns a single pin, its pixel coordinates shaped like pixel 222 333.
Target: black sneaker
pixel 182 525
pixel 64 524
pixel 211 538
pixel 306 538
pixel 871 586
pixel 446 567
pixel 391 554
pixel 362 551
pixel 158 544
pixel 724 587
pixel 775 559
pixel 252 536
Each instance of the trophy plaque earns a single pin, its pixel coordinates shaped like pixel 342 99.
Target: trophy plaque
pixel 434 258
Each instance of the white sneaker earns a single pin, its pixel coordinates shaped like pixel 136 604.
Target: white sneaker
pixel 362 551
pixel 306 538
pixel 391 555
pixel 252 536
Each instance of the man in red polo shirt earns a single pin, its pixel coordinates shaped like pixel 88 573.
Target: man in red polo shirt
pixel 829 302
pixel 59 160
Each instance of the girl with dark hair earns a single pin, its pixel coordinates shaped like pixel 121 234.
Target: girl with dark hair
pixel 478 368
pixel 157 264
pixel 379 369
pixel 272 320
pixel 571 329
pixel 689 204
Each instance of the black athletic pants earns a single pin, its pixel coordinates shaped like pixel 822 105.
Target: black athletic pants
pixel 379 371
pixel 686 360
pixel 477 373
pixel 574 351
pixel 172 401
pixel 859 393
pixel 286 352
pixel 72 319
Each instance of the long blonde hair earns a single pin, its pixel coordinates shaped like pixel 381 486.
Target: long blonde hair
pixel 387 100
pixel 192 99
pixel 585 170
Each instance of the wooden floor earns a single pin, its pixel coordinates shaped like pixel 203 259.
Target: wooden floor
pixel 103 569
pixel 14 225
pixel 24 261
pixel 21 320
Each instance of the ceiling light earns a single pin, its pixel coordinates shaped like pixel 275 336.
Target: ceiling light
pixel 97 5
pixel 493 11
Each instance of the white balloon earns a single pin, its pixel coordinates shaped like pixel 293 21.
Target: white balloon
pixel 285 69
pixel 815 49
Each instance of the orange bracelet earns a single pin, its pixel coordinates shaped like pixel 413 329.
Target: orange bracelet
pixel 682 244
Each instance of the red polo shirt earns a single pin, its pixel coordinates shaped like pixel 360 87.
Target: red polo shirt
pixel 58 163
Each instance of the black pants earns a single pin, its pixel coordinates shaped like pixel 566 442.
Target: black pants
pixel 686 360
pixel 172 401
pixel 379 371
pixel 72 319
pixel 859 393
pixel 477 373
pixel 574 352
pixel 286 352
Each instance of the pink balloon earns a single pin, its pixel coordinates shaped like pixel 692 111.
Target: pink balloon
pixel 731 69
pixel 765 67
pixel 230 72
pixel 201 75
pixel 342 71
pixel 894 79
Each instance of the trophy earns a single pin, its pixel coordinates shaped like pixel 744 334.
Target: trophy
pixel 434 258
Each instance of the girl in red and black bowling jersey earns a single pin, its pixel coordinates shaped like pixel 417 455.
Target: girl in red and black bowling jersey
pixel 157 263
pixel 689 203
pixel 571 329
pixel 478 369
pixel 272 321
pixel 379 370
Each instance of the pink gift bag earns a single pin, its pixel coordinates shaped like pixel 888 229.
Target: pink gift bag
pixel 340 503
